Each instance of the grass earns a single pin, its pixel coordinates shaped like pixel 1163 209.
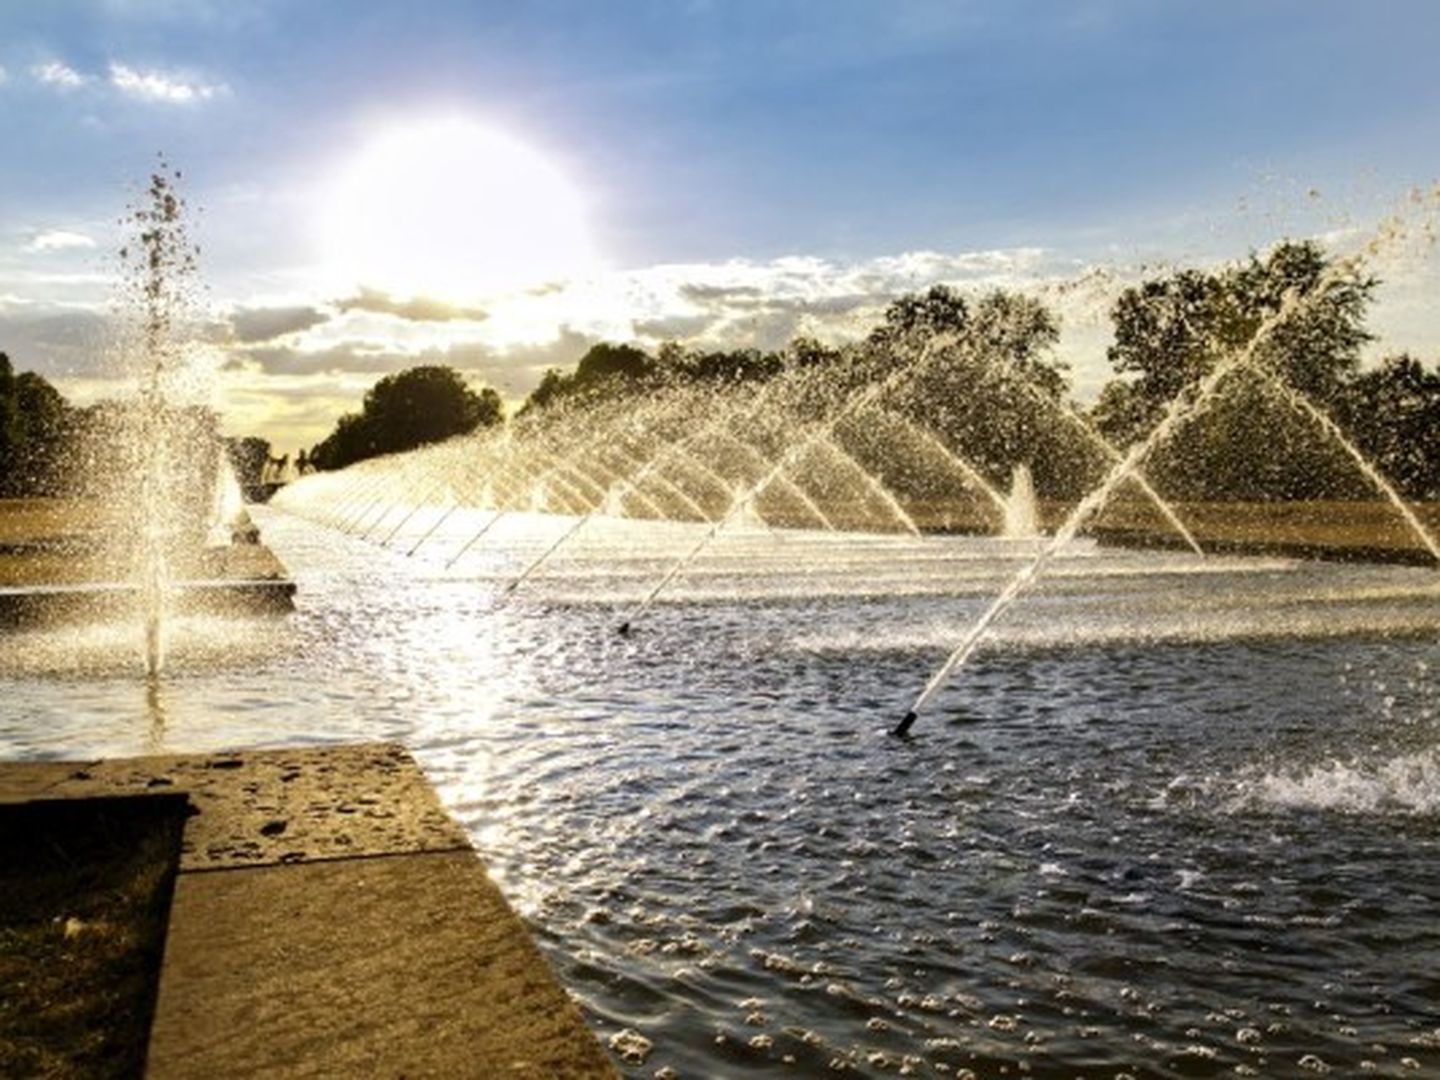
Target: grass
pixel 1364 530
pixel 85 891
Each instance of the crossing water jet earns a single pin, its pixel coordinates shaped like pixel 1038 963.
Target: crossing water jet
pixel 816 433
pixel 1185 406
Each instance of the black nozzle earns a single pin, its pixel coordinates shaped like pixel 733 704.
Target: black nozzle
pixel 623 629
pixel 902 729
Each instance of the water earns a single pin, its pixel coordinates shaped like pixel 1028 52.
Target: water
pixel 1022 517
pixel 1179 818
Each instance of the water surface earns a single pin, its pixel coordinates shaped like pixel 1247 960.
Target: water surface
pixel 1180 818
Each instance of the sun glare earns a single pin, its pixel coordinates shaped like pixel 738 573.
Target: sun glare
pixel 453 209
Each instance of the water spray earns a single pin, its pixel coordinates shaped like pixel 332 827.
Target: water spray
pixel 859 398
pixel 1184 407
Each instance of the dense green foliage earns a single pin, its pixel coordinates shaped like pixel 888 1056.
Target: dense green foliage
pixel 248 457
pixel 981 375
pixel 408 409
pixel 976 377
pixel 1394 414
pixel 35 425
pixel 1257 440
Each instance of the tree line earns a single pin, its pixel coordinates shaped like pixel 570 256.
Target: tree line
pixel 1001 397
pixel 986 381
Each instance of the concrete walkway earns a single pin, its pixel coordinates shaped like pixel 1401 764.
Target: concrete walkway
pixel 330 919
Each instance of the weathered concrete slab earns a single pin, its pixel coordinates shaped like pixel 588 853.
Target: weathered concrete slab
pixel 330 919
pixel 68 560
pixel 409 965
pixel 259 807
pixel 22 780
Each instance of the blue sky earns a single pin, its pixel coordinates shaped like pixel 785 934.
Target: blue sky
pixel 828 151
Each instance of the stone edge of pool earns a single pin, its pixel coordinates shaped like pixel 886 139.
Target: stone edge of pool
pixel 329 917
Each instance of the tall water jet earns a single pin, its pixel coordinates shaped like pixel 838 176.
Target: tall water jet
pixel 172 500
pixel 161 263
pixel 1022 518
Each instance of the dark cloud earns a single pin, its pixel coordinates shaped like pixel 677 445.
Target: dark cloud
pixel 338 359
pixel 513 371
pixel 707 295
pixel 57 341
pixel 259 324
pixel 753 317
pixel 675 327
pixel 415 309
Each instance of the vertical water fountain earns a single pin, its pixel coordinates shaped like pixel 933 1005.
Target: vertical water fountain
pixel 172 505
pixel 1022 518
pixel 161 262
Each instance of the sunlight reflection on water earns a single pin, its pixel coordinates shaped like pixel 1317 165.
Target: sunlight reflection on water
pixel 1178 818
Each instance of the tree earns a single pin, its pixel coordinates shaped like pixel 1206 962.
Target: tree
pixel 1172 331
pixel 402 411
pixel 1393 414
pixel 605 370
pixel 605 361
pixel 248 457
pixel 995 396
pixel 1251 442
pixel 34 432
pixel 940 309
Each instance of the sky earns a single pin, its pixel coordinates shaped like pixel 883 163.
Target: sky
pixel 498 185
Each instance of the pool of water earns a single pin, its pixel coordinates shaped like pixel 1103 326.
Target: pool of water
pixel 1180 817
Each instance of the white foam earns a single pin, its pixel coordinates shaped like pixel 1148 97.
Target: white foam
pixel 1406 783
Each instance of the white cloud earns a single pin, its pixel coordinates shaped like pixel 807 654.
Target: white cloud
pixel 59 240
pixel 3 74
pixel 59 75
pixel 159 86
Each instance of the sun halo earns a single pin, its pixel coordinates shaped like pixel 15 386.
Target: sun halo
pixel 453 209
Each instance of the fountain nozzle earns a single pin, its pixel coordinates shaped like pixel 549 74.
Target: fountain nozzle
pixel 623 629
pixel 902 729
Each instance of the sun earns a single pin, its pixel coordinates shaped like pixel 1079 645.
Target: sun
pixel 454 209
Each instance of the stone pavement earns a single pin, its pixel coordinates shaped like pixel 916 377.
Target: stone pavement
pixel 330 919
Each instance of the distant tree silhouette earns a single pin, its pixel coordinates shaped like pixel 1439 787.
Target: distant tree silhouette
pixel 248 457
pixel 402 411
pixel 1251 443
pixel 986 382
pixel 1171 331
pixel 939 309
pixel 35 423
pixel 604 370
pixel 1393 414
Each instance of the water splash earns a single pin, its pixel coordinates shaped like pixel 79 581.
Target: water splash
pixel 1406 783
pixel 1022 517
pixel 1307 408
pixel 1186 405
pixel 162 264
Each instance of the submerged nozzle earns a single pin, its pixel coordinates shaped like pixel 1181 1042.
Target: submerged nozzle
pixel 902 729
pixel 623 629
